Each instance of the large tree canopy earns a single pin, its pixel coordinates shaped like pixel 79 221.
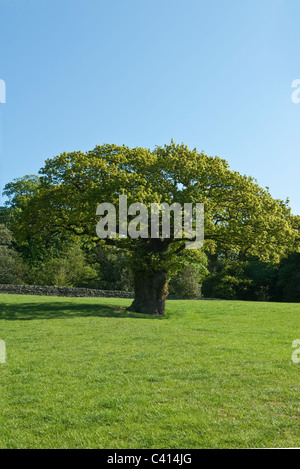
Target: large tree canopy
pixel 240 216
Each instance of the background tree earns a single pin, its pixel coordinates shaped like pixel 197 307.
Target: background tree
pixel 11 266
pixel 18 194
pixel 240 217
pixel 111 264
pixel 3 215
pixel 288 281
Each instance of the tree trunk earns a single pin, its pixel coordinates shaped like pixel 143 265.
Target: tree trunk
pixel 150 293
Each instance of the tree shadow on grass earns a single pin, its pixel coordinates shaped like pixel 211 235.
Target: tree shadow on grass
pixel 65 310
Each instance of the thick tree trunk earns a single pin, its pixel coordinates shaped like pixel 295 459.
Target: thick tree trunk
pixel 150 293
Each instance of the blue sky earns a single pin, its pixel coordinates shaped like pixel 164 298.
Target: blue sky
pixel 213 74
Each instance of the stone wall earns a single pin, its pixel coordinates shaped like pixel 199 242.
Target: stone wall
pixel 75 292
pixel 62 291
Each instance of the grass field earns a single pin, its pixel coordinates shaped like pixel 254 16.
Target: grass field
pixel 84 373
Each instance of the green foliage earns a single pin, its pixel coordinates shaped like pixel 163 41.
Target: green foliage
pixel 239 215
pixel 288 282
pixel 264 277
pixel 11 266
pixel 254 280
pixel 68 269
pixel 186 283
pixel 237 280
pixel 19 192
pixel 6 237
pixel 112 268
pixel 3 215
pixel 226 287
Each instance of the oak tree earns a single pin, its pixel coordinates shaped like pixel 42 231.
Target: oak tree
pixel 240 216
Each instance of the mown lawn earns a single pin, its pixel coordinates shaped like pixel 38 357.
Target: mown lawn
pixel 84 373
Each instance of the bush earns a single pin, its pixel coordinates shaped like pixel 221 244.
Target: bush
pixel 69 269
pixel 236 280
pixel 186 284
pixel 227 287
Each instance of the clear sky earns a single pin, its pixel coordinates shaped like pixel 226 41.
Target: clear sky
pixel 213 74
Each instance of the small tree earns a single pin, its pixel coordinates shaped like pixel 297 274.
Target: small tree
pixel 187 283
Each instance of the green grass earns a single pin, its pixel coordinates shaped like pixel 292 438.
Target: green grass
pixel 85 373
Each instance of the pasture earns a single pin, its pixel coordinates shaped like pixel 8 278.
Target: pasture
pixel 85 373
